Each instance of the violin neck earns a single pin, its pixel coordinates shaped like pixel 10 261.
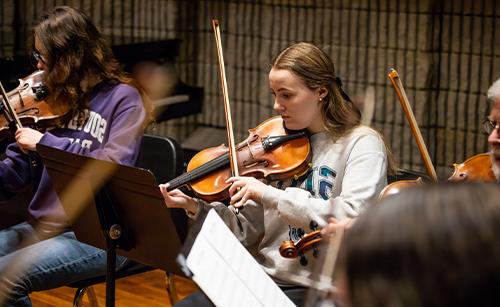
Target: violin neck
pixel 271 142
pixel 268 143
pixel 199 172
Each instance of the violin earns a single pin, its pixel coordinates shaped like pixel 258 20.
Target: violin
pixel 475 168
pixel 310 241
pixel 27 100
pixel 396 187
pixel 270 151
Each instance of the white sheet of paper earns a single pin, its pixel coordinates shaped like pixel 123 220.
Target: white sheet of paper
pixel 227 273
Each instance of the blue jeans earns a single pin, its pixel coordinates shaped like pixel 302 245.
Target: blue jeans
pixel 54 262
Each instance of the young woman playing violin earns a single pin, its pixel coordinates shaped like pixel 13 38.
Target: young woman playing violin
pixel 107 117
pixel 349 166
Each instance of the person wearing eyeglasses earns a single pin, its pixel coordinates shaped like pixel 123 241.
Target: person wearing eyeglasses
pixel 492 127
pixel 107 118
pixel 38 57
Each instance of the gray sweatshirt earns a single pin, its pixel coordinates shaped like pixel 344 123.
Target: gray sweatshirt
pixel 345 175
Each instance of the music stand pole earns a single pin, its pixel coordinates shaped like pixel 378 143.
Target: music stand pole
pixel 112 235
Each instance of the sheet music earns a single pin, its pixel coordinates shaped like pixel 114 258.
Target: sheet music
pixel 227 273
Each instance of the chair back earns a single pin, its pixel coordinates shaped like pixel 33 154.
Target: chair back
pixel 405 174
pixel 164 157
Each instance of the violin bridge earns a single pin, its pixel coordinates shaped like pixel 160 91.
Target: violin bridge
pixel 297 176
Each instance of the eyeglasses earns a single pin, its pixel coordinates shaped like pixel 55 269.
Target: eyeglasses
pixel 489 125
pixel 37 56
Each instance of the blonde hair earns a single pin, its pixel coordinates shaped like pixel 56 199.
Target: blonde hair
pixel 313 66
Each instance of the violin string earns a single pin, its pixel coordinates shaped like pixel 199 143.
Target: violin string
pixel 201 171
pixel 217 163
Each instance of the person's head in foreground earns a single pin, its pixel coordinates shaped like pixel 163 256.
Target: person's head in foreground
pixel 435 245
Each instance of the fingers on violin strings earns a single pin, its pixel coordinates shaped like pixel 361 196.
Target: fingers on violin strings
pixel 235 185
pixel 176 193
pixel 232 189
pixel 237 195
pixel 242 201
pixel 163 188
pixel 169 195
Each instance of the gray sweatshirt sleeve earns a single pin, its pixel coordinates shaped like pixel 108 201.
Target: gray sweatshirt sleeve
pixel 364 177
pixel 247 225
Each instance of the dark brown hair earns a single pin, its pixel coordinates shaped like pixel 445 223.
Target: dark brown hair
pixel 437 245
pixel 75 50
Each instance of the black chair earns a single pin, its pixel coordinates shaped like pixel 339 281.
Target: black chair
pixel 164 157
pixel 406 174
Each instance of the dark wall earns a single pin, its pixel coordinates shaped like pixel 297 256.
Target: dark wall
pixel 447 54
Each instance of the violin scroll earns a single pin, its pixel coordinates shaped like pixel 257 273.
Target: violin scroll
pixel 310 241
pixel 28 103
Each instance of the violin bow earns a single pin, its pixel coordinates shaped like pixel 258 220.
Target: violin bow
pixel 403 99
pixel 227 109
pixel 8 111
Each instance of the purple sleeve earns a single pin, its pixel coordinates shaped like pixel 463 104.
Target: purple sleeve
pixel 124 136
pixel 14 171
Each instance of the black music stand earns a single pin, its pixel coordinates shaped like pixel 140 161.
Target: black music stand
pixel 126 215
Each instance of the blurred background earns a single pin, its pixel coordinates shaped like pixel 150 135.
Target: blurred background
pixel 447 54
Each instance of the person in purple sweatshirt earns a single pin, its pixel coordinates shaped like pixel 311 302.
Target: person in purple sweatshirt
pixel 106 121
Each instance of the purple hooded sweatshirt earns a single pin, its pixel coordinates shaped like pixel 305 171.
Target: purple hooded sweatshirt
pixel 112 131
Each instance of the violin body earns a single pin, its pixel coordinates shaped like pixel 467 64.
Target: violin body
pixel 396 187
pixel 269 152
pixel 476 168
pixel 28 101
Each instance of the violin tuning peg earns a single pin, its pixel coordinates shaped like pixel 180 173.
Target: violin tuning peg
pixel 303 260
pixel 313 225
pixel 315 251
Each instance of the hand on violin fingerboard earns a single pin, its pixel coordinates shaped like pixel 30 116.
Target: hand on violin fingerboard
pixel 245 188
pixel 177 199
